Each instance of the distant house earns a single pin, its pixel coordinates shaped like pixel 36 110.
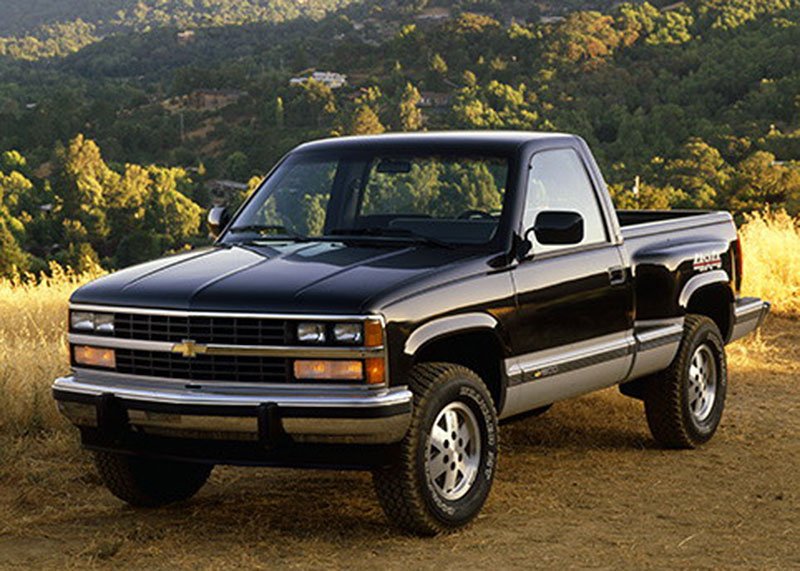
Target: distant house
pixel 434 99
pixel 551 19
pixel 332 79
pixel 433 14
pixel 31 106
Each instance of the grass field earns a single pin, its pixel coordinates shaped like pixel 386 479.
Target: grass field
pixel 583 486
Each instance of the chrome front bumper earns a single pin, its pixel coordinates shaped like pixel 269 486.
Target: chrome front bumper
pixel 748 315
pixel 321 415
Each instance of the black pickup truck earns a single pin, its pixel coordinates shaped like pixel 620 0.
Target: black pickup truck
pixel 379 303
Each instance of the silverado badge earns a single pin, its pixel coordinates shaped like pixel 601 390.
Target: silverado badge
pixel 189 349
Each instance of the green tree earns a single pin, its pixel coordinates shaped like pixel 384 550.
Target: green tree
pixel 699 171
pixel 759 181
pixel 365 122
pixel 12 256
pixel 408 110
pixel 83 182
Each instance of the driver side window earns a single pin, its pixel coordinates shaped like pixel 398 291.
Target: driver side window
pixel 559 181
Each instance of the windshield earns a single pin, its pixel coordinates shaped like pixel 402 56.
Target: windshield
pixel 440 199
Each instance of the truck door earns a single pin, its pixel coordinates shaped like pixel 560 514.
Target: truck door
pixel 573 328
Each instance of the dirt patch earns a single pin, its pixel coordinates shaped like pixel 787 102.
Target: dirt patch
pixel 582 486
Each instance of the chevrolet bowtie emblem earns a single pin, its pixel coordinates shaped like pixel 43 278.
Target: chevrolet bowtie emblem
pixel 189 349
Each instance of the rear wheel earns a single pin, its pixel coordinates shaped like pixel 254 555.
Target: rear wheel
pixel 684 403
pixel 146 482
pixel 445 465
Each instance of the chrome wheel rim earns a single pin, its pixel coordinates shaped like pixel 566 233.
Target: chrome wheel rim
pixel 702 383
pixel 453 451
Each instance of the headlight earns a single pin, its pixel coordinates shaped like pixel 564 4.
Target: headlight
pixel 94 322
pixel 82 321
pixel 369 333
pixel 351 333
pixel 311 332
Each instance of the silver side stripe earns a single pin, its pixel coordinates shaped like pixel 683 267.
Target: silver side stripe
pixel 559 360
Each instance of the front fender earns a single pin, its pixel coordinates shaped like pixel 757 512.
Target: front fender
pixel 446 326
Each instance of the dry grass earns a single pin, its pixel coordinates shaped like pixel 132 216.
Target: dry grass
pixel 33 347
pixel 771 247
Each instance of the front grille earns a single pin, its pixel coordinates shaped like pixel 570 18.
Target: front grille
pixel 219 330
pixel 203 367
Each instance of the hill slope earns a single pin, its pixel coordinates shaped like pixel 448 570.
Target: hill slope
pixel 695 105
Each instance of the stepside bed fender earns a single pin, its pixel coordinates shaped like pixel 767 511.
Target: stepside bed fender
pixel 700 281
pixel 711 294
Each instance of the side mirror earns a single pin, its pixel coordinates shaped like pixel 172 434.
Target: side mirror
pixel 557 227
pixel 218 218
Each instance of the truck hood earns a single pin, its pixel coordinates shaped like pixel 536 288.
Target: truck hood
pixel 318 277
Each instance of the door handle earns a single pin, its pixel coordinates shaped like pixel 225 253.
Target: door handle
pixel 617 275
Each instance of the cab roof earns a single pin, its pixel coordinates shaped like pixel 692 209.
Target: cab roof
pixel 484 141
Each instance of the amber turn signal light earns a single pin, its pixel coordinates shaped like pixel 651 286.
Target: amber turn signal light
pixel 373 333
pixel 329 370
pixel 94 356
pixel 376 371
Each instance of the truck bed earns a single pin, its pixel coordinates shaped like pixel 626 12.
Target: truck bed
pixel 641 223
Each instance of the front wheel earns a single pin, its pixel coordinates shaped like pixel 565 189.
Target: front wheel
pixel 684 403
pixel 445 465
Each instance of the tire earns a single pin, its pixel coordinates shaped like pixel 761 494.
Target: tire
pixel 425 490
pixel 684 403
pixel 145 482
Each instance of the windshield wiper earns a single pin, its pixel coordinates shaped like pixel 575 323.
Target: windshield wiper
pixel 402 233
pixel 280 232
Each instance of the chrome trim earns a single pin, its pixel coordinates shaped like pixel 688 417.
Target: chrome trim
pixel 119 343
pixel 186 396
pixel 291 351
pixel 191 313
pixel 699 281
pixel 380 430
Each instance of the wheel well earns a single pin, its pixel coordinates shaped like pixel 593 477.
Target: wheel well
pixel 478 351
pixel 714 301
